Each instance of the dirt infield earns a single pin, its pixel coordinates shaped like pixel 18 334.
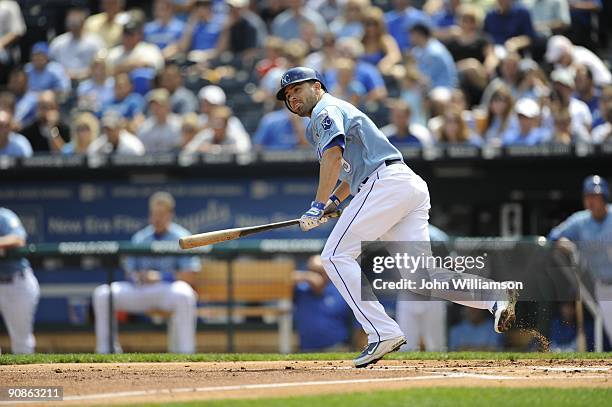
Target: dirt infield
pixel 111 383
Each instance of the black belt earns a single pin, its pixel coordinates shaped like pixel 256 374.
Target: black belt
pixel 9 278
pixel 387 163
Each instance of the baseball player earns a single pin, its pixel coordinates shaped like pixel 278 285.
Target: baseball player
pixel 155 283
pixel 390 202
pixel 19 290
pixel 591 231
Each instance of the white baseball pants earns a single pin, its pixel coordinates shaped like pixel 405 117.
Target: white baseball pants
pixel 18 301
pixel 603 293
pixel 422 320
pixel 177 297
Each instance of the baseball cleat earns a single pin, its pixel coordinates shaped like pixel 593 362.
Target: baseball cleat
pixel 376 350
pixel 504 312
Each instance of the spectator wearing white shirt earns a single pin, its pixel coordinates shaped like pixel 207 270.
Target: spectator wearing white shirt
pixel 216 137
pixel 134 52
pixel 161 131
pixel 12 27
pixel 115 139
pixel 212 96
pixel 75 49
pixel 582 120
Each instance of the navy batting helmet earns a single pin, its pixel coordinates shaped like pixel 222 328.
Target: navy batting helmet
pixel 297 75
pixel 594 184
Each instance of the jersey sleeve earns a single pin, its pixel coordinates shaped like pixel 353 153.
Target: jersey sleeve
pixel 329 126
pixel 569 229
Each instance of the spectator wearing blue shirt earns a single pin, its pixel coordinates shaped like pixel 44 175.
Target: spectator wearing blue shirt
pixel 474 333
pixel 166 30
pixel 510 25
pixel 445 21
pixel 44 74
pixel 288 24
pixel 432 58
pixel 401 132
pixel 25 100
pixel 528 132
pixel 182 100
pixel 280 130
pixel 202 32
pixel 98 91
pixel 154 283
pixel 322 317
pixel 12 144
pixel 129 104
pixel 587 92
pixel 401 19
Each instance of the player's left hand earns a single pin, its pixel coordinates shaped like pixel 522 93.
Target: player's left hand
pixel 313 217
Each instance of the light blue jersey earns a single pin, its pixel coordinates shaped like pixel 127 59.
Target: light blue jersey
pixel 334 121
pixel 11 225
pixel 594 240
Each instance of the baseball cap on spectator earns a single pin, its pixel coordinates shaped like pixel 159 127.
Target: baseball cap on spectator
pixel 112 119
pixel 212 94
pixel 527 107
pixel 159 95
pixel 237 3
pixel 563 76
pixel 556 47
pixel 40 47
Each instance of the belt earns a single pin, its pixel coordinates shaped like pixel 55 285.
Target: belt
pixel 9 278
pixel 387 163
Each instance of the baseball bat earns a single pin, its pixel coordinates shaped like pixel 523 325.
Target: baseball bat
pixel 217 236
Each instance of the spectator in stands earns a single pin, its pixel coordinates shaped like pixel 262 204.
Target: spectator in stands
pixel 350 22
pixel 85 129
pixel 411 84
pixel 239 34
pixel 12 28
pixel 325 58
pixel 401 19
pixel 202 32
pixel 563 84
pixel 563 331
pixel 563 54
pixel 47 133
pixel 273 56
pixel 189 128
pixel 281 130
pixel 216 137
pixel 44 74
pixel 107 24
pixel 166 29
pixel 212 96
pixel 322 317
pixel 380 49
pixel 586 91
pixel 161 131
pixel 583 30
pixel 154 283
pixel 549 17
pixel 509 76
pixel 182 100
pixel 562 129
pixel 270 10
pixel 603 133
pixel 401 131
pixel 329 9
pixel 500 116
pixel 510 25
pixel 288 24
pixel 533 83
pixel 114 138
pixel 25 99
pixel 99 90
pixel 432 58
pixel 438 102
pixel 12 144
pixel 128 103
pixel 473 333
pixel 75 50
pixel 445 20
pixel 134 55
pixel 455 130
pixel 529 133
pixel 347 86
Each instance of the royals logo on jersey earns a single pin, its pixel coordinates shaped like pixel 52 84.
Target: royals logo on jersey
pixel 326 123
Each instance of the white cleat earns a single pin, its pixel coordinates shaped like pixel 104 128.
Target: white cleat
pixel 376 350
pixel 504 312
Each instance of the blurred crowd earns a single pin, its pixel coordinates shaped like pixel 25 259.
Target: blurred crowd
pixel 200 76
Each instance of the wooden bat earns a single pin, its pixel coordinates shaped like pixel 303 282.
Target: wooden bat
pixel 581 345
pixel 204 239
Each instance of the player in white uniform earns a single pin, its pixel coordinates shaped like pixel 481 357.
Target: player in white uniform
pixel 19 290
pixel 390 203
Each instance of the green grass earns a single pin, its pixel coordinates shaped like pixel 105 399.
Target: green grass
pixel 436 396
pixel 240 357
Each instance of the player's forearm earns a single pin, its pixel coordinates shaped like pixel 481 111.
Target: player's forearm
pixel 11 242
pixel 342 191
pixel 329 172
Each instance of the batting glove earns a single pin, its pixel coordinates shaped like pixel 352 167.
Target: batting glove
pixel 313 217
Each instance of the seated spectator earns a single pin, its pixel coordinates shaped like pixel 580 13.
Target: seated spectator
pixel 562 129
pixel 107 23
pixel 563 54
pixel 455 131
pixel 128 103
pixel 533 83
pixel 288 24
pixel 114 138
pixel 401 131
pixel 85 129
pixel 329 9
pixel 529 133
pixel 349 23
pixel 25 99
pixel 189 128
pixel 445 20
pixel 202 32
pixel 500 116
pixel 12 28
pixel 239 35
pixel 549 17
pixel 401 19
pixel 603 133
pixel 605 102
pixel 47 133
pixel 182 100
pixel 585 22
pixel 281 130
pixel 44 74
pixel 563 85
pixel 273 55
pixel 322 317
pixel 564 333
pixel 347 86
pixel 509 76
pixel 438 102
pixel 212 96
pixel 99 90
pixel 12 144
pixel 509 24
pixel 166 29
pixel 474 333
pixel 411 91
pixel 154 283
pixel 432 58
pixel 380 49
pixel 75 50
pixel 216 137
pixel 586 91
pixel 160 132
pixel 134 55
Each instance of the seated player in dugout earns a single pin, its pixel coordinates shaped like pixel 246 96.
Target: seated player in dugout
pixel 155 283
